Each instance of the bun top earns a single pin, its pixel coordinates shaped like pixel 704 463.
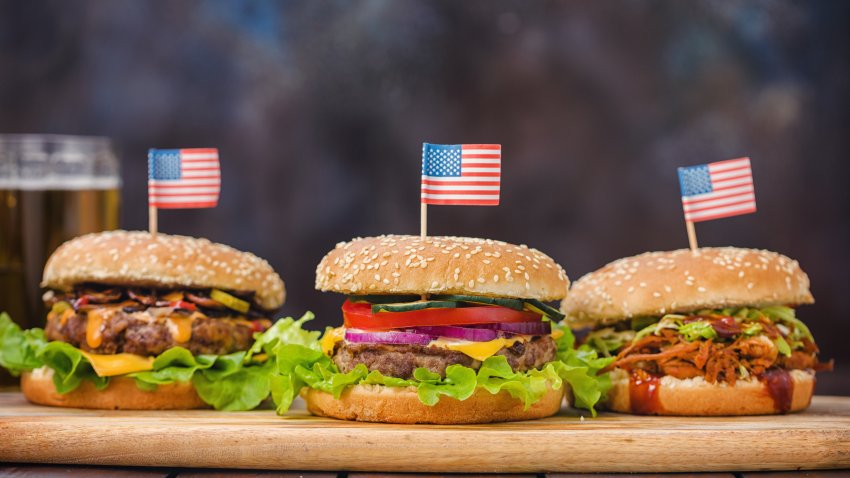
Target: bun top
pixel 160 260
pixel 440 265
pixel 657 283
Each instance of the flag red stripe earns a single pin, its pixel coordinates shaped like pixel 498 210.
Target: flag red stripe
pixel 481 156
pixel 190 168
pixel 725 214
pixel 167 195
pixel 212 177
pixel 733 186
pixel 746 167
pixel 732 178
pixel 435 182
pixel 736 203
pixel 713 196
pixel 461 202
pixel 185 185
pixel 482 175
pixel 726 161
pixel 458 191
pixel 183 205
pixel 481 146
pixel 199 150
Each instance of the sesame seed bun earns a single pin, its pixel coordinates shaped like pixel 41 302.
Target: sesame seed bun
pixel 378 403
pixel 160 260
pixel 695 396
pixel 657 283
pixel 440 265
pixel 121 394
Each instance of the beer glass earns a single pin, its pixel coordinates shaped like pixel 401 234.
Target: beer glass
pixel 52 188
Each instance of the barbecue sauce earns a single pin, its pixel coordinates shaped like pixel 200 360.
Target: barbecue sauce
pixel 780 386
pixel 643 393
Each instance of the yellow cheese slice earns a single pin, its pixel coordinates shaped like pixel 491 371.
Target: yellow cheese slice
pixel 118 364
pixel 330 339
pixel 477 350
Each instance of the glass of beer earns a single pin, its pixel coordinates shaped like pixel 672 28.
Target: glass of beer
pixel 52 188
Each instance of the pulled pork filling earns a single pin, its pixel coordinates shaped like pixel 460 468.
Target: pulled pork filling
pixel 110 320
pixel 718 345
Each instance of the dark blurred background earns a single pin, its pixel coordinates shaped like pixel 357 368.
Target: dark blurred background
pixel 319 109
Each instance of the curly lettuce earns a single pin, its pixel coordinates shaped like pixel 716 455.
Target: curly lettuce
pixel 748 317
pixel 236 381
pixel 304 365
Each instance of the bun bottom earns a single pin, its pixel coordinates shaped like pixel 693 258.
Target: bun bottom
pixel 378 403
pixel 695 396
pixel 121 394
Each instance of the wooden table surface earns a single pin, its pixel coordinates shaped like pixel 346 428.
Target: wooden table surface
pixel 47 471
pixel 178 443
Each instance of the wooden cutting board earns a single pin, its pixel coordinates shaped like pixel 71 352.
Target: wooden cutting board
pixel 817 438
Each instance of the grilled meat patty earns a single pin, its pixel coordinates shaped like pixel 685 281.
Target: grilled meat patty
pixel 140 334
pixel 401 360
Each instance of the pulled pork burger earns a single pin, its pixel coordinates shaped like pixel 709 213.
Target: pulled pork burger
pixel 443 330
pixel 709 332
pixel 142 321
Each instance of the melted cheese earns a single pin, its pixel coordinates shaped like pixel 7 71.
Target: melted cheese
pixel 94 326
pixel 118 364
pixel 180 328
pixel 330 339
pixel 477 350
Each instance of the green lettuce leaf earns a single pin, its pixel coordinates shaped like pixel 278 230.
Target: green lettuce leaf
pixel 69 366
pixel 174 365
pixel 696 330
pixel 19 349
pixel 301 365
pixel 228 386
pixel 284 331
pixel 783 346
pixel 237 381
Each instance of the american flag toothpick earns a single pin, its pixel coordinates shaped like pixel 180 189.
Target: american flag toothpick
pixel 716 190
pixel 460 175
pixel 182 179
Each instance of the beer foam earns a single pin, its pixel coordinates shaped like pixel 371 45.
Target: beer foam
pixel 79 183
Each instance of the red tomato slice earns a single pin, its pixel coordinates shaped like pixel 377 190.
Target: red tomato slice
pixel 360 316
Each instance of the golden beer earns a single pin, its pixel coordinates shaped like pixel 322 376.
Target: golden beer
pixel 52 188
pixel 33 223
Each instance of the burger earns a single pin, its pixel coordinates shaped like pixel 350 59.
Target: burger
pixel 147 321
pixel 443 330
pixel 705 332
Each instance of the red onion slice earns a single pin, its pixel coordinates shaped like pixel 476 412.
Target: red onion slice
pixel 392 337
pixel 462 333
pixel 522 328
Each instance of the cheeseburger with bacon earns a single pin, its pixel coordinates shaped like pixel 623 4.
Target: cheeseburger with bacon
pixel 705 332
pixel 146 321
pixel 440 330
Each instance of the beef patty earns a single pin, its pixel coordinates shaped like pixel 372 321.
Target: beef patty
pixel 401 360
pixel 129 333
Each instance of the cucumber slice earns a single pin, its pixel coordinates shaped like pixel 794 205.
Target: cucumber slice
pixel 411 306
pixel 228 301
pixel 514 304
pixel 535 305
pixel 383 299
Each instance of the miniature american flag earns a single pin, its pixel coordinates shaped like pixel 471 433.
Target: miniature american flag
pixel 461 174
pixel 183 178
pixel 716 190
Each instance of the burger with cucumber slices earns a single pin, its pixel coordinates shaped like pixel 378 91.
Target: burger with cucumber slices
pixel 705 332
pixel 142 321
pixel 443 330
